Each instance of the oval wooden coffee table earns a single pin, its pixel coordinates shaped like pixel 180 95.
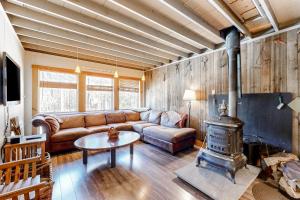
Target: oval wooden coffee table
pixel 100 141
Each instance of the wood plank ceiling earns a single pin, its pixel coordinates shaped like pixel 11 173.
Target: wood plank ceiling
pixel 141 34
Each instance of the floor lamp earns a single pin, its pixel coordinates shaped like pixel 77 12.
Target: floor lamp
pixel 189 95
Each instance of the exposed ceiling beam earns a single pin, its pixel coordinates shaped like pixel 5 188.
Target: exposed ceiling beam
pixel 259 8
pixel 179 7
pixel 161 20
pixel 265 4
pixel 34 36
pixel 84 39
pixel 81 56
pixel 229 15
pixel 24 16
pixel 106 13
pixel 63 13
pixel 57 46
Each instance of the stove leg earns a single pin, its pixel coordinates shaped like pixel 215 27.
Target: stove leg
pixel 198 162
pixel 232 175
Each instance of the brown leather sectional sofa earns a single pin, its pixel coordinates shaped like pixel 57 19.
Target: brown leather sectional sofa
pixel 158 128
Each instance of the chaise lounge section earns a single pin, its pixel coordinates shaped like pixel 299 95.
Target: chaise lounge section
pixel 163 129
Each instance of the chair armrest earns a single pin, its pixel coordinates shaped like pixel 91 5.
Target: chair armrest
pixel 39 121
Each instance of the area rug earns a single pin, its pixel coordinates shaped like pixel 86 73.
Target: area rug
pixel 215 184
pixel 262 191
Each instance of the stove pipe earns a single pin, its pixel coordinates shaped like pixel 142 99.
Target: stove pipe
pixel 232 43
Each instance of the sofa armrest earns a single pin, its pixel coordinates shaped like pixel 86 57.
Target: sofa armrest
pixel 39 121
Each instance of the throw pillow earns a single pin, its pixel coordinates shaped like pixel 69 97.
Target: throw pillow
pixel 154 116
pixel 182 122
pixel 53 123
pixel 145 115
pixel 170 119
pixel 132 116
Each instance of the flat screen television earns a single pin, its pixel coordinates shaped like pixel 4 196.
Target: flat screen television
pixel 10 81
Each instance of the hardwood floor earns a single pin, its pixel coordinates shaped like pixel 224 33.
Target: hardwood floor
pixel 148 175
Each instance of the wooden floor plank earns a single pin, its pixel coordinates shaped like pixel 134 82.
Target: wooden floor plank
pixel 148 175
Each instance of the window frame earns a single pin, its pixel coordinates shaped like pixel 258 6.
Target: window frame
pixel 56 70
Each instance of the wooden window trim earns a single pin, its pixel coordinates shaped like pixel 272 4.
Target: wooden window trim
pixel 81 87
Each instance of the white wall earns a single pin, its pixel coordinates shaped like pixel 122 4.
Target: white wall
pixel 33 58
pixel 10 43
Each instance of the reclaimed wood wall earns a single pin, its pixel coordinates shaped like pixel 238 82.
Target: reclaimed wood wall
pixel 268 65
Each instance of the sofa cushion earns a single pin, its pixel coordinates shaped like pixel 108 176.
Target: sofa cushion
pixel 144 116
pixel 135 122
pixel 72 121
pixel 98 129
pixel 154 116
pixel 132 116
pixel 121 126
pixel 53 123
pixel 172 135
pixel 70 134
pixel 112 118
pixel 95 119
pixel 170 119
pixel 140 126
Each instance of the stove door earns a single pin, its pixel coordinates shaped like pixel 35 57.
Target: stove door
pixel 219 140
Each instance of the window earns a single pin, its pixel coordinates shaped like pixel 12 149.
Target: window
pixel 57 92
pixel 99 93
pixel 129 93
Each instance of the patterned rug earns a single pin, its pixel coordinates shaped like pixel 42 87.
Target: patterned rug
pixel 262 191
pixel 215 183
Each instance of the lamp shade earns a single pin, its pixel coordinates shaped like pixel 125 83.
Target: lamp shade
pixel 189 95
pixel 295 104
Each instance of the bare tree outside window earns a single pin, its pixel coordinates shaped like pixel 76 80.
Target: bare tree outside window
pixel 129 94
pixel 99 93
pixel 57 92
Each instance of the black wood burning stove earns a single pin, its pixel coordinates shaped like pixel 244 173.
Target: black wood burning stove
pixel 224 144
pixel 225 133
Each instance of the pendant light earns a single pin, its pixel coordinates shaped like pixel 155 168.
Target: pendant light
pixel 77 69
pixel 116 75
pixel 143 77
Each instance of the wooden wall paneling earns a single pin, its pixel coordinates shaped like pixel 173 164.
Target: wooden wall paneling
pixel 298 93
pixel 292 80
pixel 35 88
pixel 266 65
pixel 283 63
pixel 81 92
pixel 224 66
pixel 194 75
pixel 244 69
pixel 256 67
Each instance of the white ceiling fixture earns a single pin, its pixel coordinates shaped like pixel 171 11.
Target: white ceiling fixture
pixel 115 17
pixel 230 16
pixel 179 7
pixel 69 15
pixel 270 14
pixel 159 19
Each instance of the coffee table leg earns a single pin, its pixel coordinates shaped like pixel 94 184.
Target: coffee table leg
pixel 131 149
pixel 113 158
pixel 85 156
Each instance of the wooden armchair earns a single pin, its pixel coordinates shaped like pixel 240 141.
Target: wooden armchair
pixel 30 149
pixel 19 178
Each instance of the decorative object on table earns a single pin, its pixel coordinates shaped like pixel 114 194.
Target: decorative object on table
pixel 189 95
pixel 15 126
pixel 113 133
